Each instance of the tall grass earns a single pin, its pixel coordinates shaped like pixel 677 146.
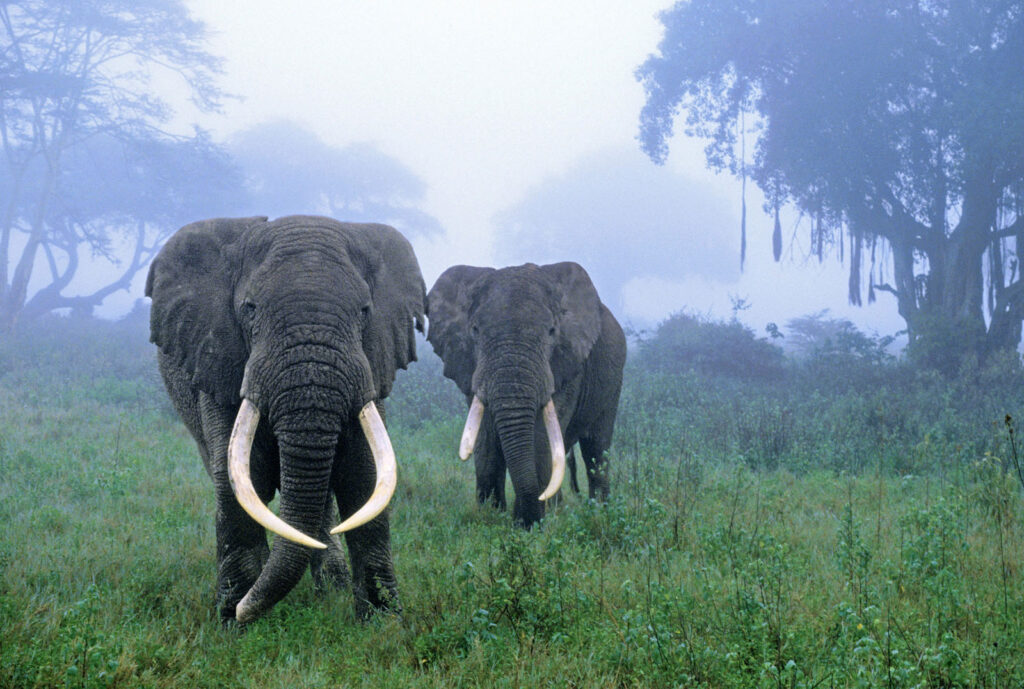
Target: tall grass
pixel 796 532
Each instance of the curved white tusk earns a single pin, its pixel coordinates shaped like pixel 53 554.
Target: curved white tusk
pixel 383 460
pixel 239 449
pixel 557 451
pixel 472 429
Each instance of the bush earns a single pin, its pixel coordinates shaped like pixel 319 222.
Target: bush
pixel 687 342
pixel 836 341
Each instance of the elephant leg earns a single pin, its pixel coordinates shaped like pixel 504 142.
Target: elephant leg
pixel 373 573
pixel 328 567
pixel 241 543
pixel 241 548
pixel 570 459
pixel 490 468
pixel 542 455
pixel 597 468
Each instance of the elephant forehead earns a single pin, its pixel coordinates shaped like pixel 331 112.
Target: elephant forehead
pixel 308 251
pixel 517 289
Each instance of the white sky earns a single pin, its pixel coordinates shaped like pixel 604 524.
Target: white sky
pixel 483 100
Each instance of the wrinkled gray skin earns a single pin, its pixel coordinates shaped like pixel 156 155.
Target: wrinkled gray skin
pixel 517 337
pixel 309 319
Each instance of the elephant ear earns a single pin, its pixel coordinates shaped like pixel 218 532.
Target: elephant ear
pixel 191 283
pixel 399 299
pixel 578 310
pixel 448 305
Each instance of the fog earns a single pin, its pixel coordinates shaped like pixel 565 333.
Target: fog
pixel 491 134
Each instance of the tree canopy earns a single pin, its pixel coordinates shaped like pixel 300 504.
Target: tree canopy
pixel 896 128
pixel 88 163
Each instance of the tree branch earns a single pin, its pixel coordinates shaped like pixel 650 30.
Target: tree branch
pixel 1011 230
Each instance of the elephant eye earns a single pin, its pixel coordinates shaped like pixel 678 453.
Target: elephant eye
pixel 551 331
pixel 365 311
pixel 474 331
pixel 248 310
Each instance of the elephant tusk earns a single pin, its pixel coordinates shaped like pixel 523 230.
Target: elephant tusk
pixel 557 451
pixel 472 429
pixel 384 461
pixel 239 449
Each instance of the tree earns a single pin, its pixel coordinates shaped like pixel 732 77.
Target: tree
pixel 87 163
pixel 895 127
pixel 288 169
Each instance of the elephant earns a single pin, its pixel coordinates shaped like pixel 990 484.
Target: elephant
pixel 277 341
pixel 539 359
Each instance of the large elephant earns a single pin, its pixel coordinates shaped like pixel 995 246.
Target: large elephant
pixel 277 340
pixel 540 360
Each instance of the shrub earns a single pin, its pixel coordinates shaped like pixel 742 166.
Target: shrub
pixel 687 342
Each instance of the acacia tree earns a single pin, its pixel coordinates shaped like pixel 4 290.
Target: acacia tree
pixel 896 127
pixel 87 163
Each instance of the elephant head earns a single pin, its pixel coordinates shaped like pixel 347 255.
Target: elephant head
pixel 295 328
pixel 511 338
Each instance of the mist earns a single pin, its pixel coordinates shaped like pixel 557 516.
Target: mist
pixel 790 367
pixel 536 162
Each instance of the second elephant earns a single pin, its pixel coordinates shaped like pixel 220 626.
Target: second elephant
pixel 540 360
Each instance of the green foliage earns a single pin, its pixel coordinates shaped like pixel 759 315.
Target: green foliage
pixel 844 404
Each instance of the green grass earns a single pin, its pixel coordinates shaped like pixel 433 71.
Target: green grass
pixel 704 569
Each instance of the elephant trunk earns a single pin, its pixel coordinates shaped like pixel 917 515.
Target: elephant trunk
pixel 311 399
pixel 306 462
pixel 514 397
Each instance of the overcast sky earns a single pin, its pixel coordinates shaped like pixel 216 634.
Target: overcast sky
pixel 490 102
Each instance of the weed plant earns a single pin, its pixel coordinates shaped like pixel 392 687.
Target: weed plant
pixel 861 529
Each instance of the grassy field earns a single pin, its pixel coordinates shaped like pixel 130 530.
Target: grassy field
pixel 750 542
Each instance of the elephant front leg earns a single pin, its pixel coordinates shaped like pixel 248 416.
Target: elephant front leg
pixel 241 543
pixel 241 551
pixel 597 469
pixel 570 461
pixel 373 573
pixel 490 468
pixel 328 567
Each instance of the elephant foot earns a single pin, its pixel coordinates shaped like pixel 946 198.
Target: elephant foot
pixel 492 496
pixel 237 571
pixel 330 568
pixel 379 595
pixel 598 490
pixel 597 477
pixel 527 512
pixel 570 461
